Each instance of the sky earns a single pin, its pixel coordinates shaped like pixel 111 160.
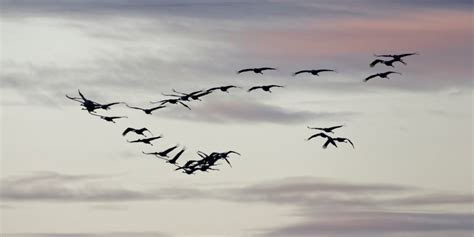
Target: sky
pixel 66 173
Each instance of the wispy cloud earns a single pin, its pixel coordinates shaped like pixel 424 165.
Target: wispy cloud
pixel 110 234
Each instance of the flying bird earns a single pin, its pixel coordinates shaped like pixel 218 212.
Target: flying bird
pixel 161 154
pixel 381 75
pixel 147 111
pixel 109 118
pixel 223 88
pixel 313 71
pixel 329 141
pixel 266 88
pixel 140 131
pixel 328 130
pixel 397 57
pixel 145 140
pixel 258 70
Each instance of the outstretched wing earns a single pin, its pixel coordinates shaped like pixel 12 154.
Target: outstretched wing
pixel 131 107
pixel 157 107
pixel 302 71
pixel 254 88
pixel 185 105
pixel 267 68
pixel 127 131
pixel 329 141
pixel 317 135
pixel 245 70
pixel 406 54
pixel 335 127
pixel 324 70
pixel 271 86
pixel 370 77
pixel 350 143
pixel 75 99
pixel 375 62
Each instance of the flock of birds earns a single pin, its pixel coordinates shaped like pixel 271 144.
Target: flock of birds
pixel 207 162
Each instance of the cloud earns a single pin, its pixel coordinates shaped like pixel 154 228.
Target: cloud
pixel 242 110
pixel 324 207
pixel 379 224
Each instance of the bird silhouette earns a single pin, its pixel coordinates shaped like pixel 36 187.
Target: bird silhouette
pixel 147 111
pixel 397 57
pixel 223 88
pixel 258 70
pixel 109 118
pixel 88 105
pixel 381 75
pixel 266 88
pixel 328 130
pixel 185 96
pixel 313 71
pixel 145 140
pixel 140 131
pixel 161 154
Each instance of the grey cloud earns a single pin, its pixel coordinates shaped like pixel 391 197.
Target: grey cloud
pixel 380 224
pixel 243 110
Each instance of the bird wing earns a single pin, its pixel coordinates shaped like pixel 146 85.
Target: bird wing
pixel 302 71
pixel 350 143
pixel 175 158
pixel 74 98
pixel 406 54
pixel 324 70
pixel 329 141
pixel 370 77
pixel 391 72
pixel 82 96
pixel 267 68
pixel 335 127
pixel 131 107
pixel 110 104
pixel 254 88
pixel 372 64
pixel 151 138
pixel 270 86
pixel 318 135
pixel 384 55
pixel 183 104
pixel 169 150
pixel 127 131
pixel 245 70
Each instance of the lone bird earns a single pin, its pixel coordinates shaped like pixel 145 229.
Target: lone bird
pixel 258 70
pixel 313 71
pixel 223 88
pixel 397 57
pixel 109 118
pixel 145 140
pixel 381 75
pixel 147 111
pixel 328 130
pixel 140 131
pixel 266 88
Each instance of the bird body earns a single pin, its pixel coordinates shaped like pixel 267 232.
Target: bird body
pixel 147 111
